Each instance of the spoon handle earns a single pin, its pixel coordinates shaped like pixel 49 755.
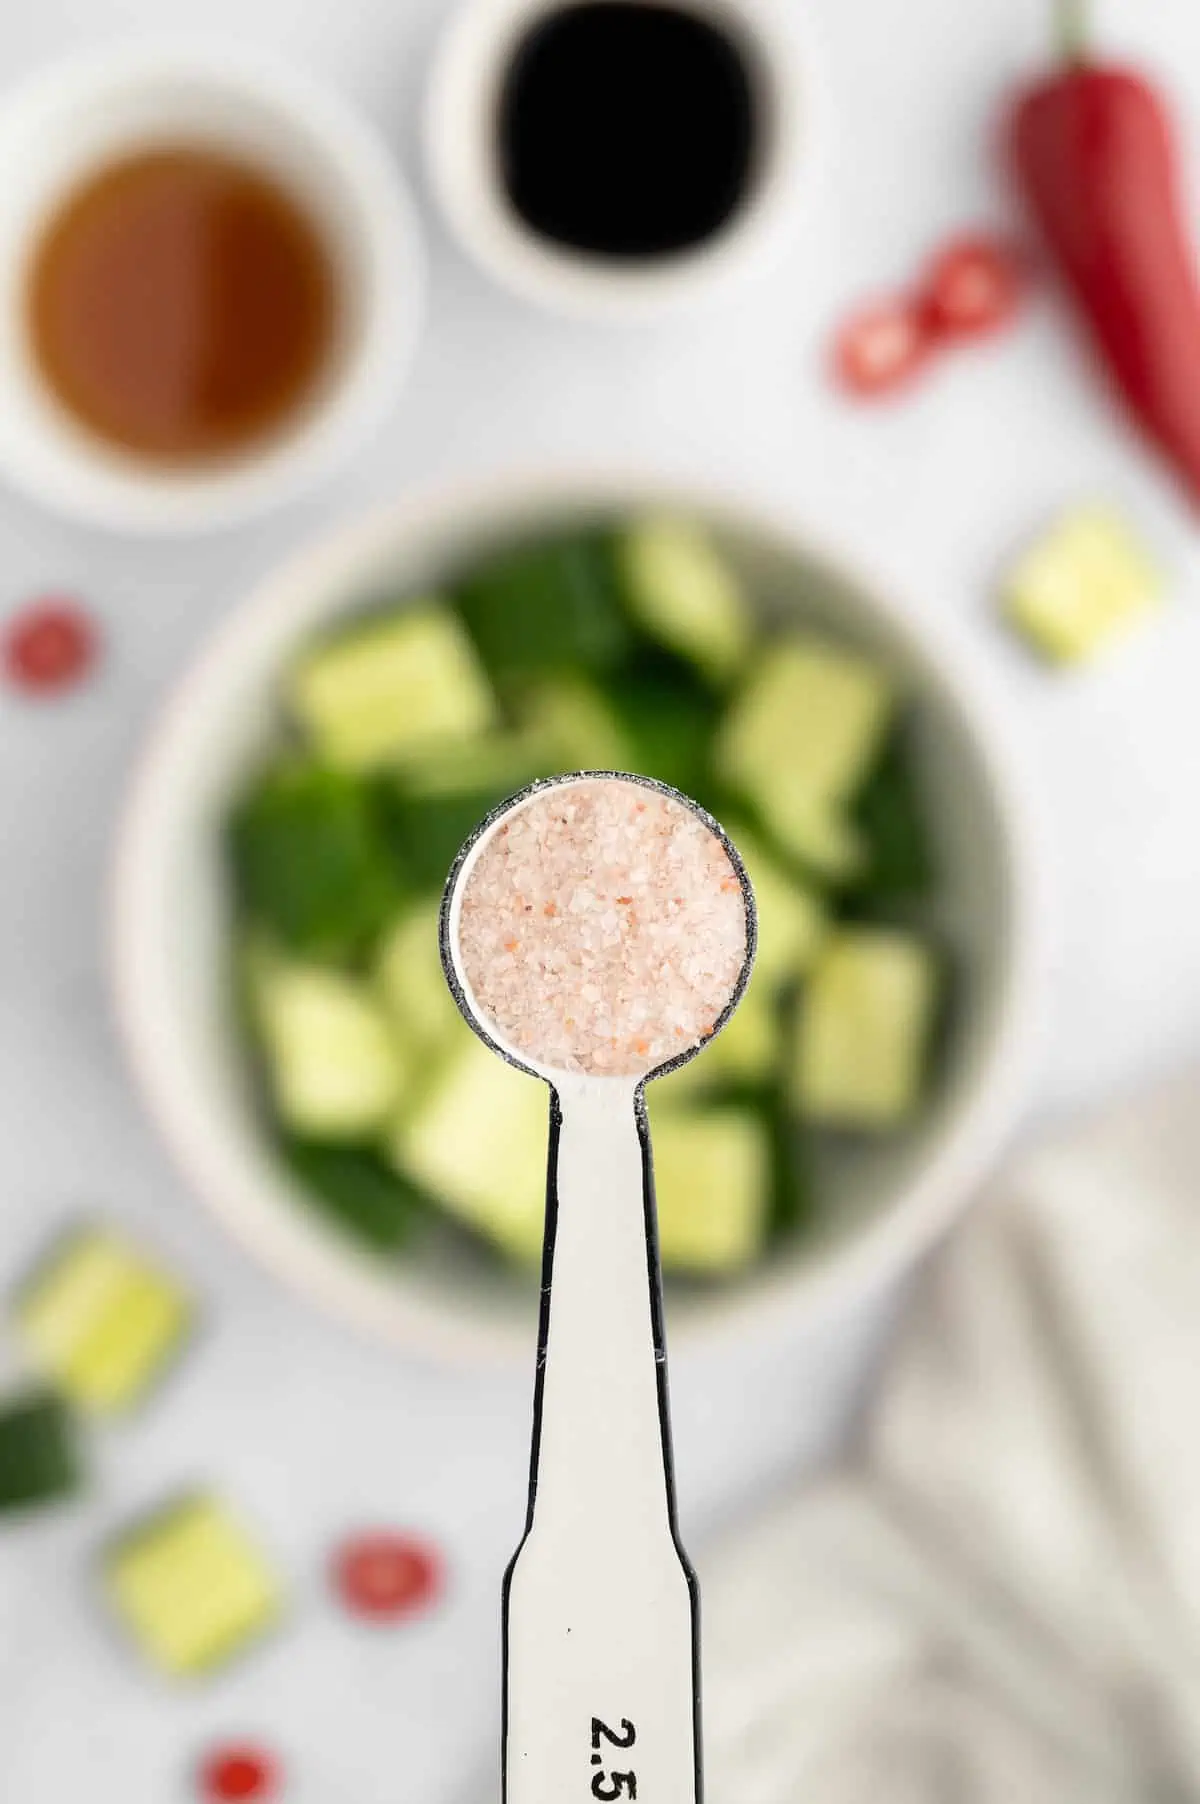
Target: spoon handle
pixel 600 1605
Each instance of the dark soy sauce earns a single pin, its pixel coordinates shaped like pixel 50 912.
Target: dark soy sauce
pixel 627 128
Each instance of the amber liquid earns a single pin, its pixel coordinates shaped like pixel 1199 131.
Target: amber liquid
pixel 181 305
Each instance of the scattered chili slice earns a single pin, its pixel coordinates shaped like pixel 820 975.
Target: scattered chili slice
pixel 386 1575
pixel 49 646
pixel 880 348
pixel 974 287
pixel 238 1772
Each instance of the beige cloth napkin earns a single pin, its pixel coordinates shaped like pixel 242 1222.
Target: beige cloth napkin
pixel 1000 1600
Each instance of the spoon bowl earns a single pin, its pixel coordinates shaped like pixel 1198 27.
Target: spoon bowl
pixel 458 881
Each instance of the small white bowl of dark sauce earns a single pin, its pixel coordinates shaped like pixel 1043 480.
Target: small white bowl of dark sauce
pixel 619 159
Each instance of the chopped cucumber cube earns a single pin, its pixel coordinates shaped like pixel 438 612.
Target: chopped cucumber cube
pixel 413 985
pixel 792 1199
pixel 391 689
pixel 478 1143
pixel 428 831
pixel 864 1028
pixel 191 1587
pixel 311 862
pixel 815 834
pixel 552 606
pixel 791 919
pixel 567 724
pixel 683 1087
pixel 889 815
pixel 576 724
pixel 653 719
pixel 712 1180
pixel 684 594
pixel 498 764
pixel 101 1319
pixel 1083 583
pixel 744 1052
pixel 746 1047
pixel 358 1191
pixel 812 715
pixel 335 1062
pixel 39 1459
pixel 666 718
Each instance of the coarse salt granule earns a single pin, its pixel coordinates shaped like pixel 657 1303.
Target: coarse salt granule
pixel 602 928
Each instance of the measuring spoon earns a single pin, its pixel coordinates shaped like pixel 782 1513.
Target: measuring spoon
pixel 601 1646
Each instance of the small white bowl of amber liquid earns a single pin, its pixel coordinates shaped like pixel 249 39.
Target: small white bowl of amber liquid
pixel 211 286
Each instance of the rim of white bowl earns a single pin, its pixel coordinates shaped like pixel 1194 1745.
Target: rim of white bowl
pixel 462 169
pixel 398 1307
pixel 58 465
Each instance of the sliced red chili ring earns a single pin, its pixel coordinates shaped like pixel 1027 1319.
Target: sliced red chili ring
pixel 974 286
pixel 240 1772
pixel 881 347
pixel 49 646
pixel 386 1575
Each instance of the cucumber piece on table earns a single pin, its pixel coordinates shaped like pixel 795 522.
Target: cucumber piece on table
pixel 412 984
pixel 191 1587
pixel 311 862
pixel 550 606
pixel 101 1319
pixel 801 734
pixel 39 1458
pixel 1084 582
pixel 889 815
pixel 391 688
pixel 477 1143
pixel 683 592
pixel 712 1181
pixel 358 1191
pixel 863 1030
pixel 335 1063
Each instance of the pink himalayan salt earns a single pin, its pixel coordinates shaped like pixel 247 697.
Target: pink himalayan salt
pixel 602 928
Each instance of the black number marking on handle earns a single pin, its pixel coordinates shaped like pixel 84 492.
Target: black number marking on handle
pixel 623 1785
pixel 607 1787
pixel 619 1741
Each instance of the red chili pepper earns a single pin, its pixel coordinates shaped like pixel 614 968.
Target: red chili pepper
pixel 1094 155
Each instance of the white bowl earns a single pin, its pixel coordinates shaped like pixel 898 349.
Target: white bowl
pixel 76 116
pixel 170 950
pixel 460 152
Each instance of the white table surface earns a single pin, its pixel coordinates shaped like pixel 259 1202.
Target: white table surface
pixel 307 1429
